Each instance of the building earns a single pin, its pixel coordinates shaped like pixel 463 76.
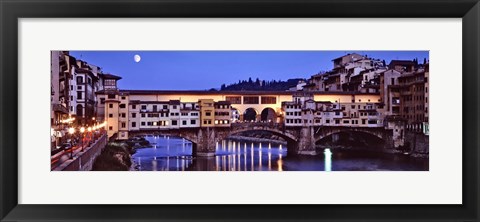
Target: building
pixel 108 83
pixel 223 114
pixel 207 112
pixel 303 110
pixel 404 91
pixel 350 73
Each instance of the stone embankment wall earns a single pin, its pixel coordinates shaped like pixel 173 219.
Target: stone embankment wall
pixel 419 143
pixel 84 162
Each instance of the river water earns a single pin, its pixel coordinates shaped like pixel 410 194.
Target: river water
pixel 175 154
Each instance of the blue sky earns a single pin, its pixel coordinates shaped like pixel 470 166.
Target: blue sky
pixel 199 70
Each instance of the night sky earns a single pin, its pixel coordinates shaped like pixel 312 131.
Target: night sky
pixel 201 70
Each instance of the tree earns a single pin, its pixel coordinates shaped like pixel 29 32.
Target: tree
pixel 424 61
pixel 222 87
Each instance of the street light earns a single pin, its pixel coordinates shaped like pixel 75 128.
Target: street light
pixel 89 129
pixel 82 131
pixel 71 131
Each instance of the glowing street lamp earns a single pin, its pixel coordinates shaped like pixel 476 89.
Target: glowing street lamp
pixel 89 129
pixel 82 131
pixel 71 131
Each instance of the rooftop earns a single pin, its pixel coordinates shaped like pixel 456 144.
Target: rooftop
pixel 205 92
pixel 110 76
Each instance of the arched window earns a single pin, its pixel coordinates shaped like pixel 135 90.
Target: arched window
pixel 79 110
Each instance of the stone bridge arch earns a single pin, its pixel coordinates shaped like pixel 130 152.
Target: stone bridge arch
pixel 378 132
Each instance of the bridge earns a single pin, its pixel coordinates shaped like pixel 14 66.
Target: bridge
pixel 300 140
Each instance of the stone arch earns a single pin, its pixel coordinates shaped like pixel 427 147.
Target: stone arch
pixel 284 135
pixel 378 135
pixel 268 115
pixel 250 115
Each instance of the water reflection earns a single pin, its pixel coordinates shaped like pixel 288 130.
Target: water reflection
pixel 328 160
pixel 175 154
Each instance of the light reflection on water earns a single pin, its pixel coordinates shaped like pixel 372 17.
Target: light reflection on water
pixel 175 154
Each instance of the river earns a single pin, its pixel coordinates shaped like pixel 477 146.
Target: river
pixel 175 154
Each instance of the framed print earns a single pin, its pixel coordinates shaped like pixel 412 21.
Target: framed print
pixel 257 110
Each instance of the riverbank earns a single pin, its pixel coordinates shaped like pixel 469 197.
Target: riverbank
pixel 116 156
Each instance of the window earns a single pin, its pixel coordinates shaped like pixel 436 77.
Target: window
pixel 184 114
pixel 71 98
pixel 395 100
pixel 110 105
pixel 184 122
pixel 110 128
pixel 174 122
pixel 134 106
pixel 143 114
pixel 122 115
pixel 134 124
pixel 79 95
pixel 79 79
pixel 122 106
pixel 144 107
pixel 208 113
pixel 165 107
pixel 109 82
pixel 124 125
pixel 79 87
pixel 71 88
pixel 89 81
pixel 142 123
pixel 111 96
pixel 174 107
pixel 193 122
pixel 102 100
pixel 234 99
pixel 250 100
pixel 123 97
pixel 154 108
pixel 269 100
pixel 134 115
pixel 110 115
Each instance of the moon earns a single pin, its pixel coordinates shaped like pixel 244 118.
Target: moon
pixel 137 58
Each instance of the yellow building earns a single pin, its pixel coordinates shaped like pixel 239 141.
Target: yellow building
pixel 207 113
pixel 112 102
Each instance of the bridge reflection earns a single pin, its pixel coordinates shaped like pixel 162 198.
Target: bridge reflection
pixel 174 154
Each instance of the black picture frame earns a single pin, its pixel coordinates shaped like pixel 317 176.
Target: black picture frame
pixel 11 11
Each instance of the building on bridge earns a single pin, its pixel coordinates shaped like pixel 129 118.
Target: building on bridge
pixel 305 111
